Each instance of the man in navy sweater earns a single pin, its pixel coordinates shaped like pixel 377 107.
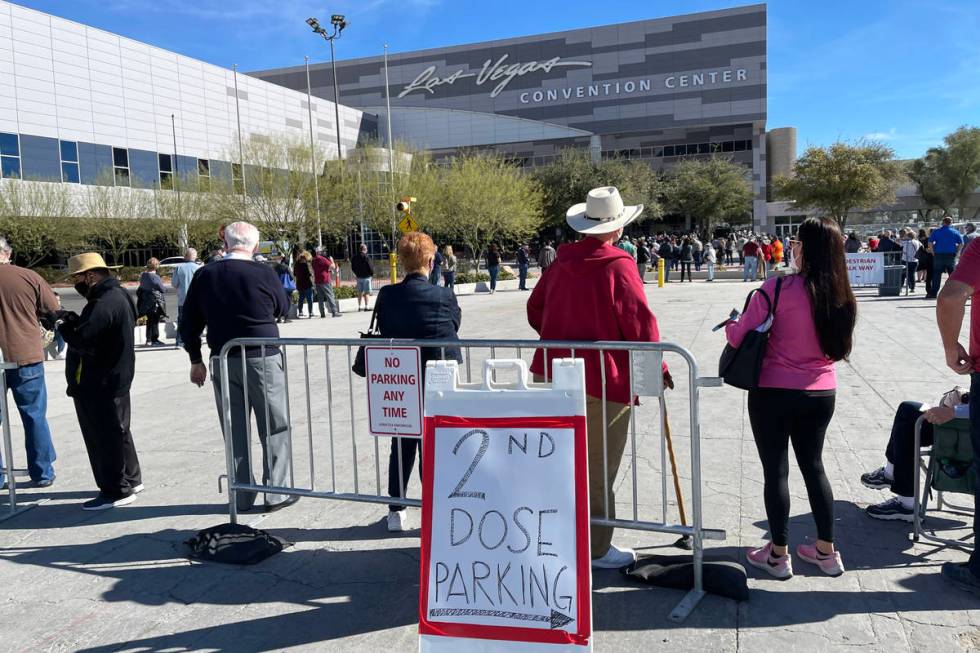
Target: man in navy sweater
pixel 238 297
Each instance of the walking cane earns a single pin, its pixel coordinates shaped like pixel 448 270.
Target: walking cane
pixel 685 541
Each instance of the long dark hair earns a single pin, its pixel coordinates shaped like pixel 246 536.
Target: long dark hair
pixel 824 271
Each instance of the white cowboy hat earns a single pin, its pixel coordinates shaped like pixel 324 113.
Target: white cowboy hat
pixel 603 211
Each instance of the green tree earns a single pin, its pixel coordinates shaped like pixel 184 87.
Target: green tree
pixel 709 191
pixel 842 178
pixel 36 218
pixel 279 189
pixel 947 176
pixel 925 174
pixel 569 178
pixel 485 199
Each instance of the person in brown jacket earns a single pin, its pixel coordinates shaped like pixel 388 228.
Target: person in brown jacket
pixel 25 298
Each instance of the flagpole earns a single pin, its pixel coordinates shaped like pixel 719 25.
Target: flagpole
pixel 316 180
pixel 391 156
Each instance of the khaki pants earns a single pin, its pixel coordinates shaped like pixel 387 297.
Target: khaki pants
pixel 617 430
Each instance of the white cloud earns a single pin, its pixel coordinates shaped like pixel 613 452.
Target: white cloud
pixel 889 135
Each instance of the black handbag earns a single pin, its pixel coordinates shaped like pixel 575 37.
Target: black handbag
pixel 741 366
pixel 358 367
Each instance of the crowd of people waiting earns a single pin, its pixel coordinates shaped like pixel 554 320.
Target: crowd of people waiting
pixel 811 317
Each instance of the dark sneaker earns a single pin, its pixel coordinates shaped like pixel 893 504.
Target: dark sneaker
pixel 282 504
pixel 891 510
pixel 103 503
pixel 876 480
pixel 959 574
pixel 44 482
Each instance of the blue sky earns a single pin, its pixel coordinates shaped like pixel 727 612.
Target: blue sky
pixel 899 71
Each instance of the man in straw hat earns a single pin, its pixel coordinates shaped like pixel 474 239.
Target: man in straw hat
pixel 100 368
pixel 593 292
pixel 24 299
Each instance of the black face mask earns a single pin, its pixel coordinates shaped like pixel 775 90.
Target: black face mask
pixel 82 288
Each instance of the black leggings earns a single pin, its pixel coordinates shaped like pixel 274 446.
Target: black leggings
pixel 686 266
pixel 778 416
pixel 409 447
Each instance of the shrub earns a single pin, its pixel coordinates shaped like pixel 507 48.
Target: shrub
pixel 345 292
pixel 471 277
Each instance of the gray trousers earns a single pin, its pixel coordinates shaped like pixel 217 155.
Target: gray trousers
pixel 262 386
pixel 324 291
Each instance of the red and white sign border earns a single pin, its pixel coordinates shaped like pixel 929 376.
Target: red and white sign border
pixel 418 364
pixel 583 571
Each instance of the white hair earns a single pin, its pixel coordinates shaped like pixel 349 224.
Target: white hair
pixel 241 236
pixel 190 254
pixel 5 248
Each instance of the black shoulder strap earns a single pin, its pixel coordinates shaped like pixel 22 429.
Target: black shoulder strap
pixel 374 315
pixel 765 296
pixel 775 301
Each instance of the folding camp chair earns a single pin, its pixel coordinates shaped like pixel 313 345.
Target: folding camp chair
pixel 948 465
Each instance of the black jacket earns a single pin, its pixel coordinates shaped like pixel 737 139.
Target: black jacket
pixel 233 298
pixel 361 266
pixel 101 359
pixel 414 308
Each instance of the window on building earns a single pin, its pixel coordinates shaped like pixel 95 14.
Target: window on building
pixel 680 150
pixel 69 162
pixel 728 146
pixel 204 174
pixel 748 145
pixel 166 165
pixel 739 146
pixel 120 166
pixel 704 148
pixel 669 150
pixel 658 152
pixel 9 156
pixel 236 177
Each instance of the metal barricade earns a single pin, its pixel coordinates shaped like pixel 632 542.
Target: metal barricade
pixel 8 451
pixel 330 410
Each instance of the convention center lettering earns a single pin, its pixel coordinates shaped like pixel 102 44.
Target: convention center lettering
pixel 504 73
pixel 503 538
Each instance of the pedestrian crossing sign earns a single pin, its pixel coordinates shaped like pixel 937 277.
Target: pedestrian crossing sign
pixel 408 224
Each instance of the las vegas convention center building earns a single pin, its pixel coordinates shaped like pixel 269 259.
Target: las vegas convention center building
pixel 83 106
pixel 658 90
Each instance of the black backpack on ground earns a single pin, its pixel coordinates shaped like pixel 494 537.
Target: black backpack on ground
pixel 234 544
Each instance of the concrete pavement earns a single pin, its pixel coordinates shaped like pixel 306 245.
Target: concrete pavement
pixel 118 580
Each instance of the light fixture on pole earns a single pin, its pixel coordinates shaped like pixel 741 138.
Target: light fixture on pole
pixel 339 23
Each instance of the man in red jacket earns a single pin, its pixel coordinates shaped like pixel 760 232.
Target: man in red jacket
pixel 323 266
pixel 593 291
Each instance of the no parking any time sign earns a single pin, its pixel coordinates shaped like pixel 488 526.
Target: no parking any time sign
pixel 394 390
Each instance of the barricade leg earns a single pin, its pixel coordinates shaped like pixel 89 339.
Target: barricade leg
pixel 693 597
pixel 8 452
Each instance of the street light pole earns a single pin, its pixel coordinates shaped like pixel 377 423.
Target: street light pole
pixel 339 23
pixel 336 96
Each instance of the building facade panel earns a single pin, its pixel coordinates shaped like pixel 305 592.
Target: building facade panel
pixel 64 80
pixel 659 82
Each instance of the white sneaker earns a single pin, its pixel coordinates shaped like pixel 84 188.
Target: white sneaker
pixel 398 521
pixel 139 488
pixel 615 558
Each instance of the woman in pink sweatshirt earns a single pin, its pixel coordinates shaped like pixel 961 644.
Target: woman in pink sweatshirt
pixel 812 329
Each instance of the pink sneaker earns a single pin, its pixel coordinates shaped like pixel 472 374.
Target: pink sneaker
pixel 830 564
pixel 781 568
